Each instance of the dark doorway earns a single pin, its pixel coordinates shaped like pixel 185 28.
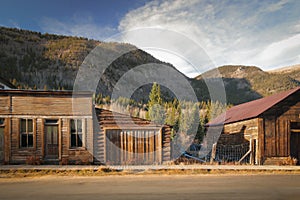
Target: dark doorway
pixel 51 139
pixel 295 141
pixel 1 141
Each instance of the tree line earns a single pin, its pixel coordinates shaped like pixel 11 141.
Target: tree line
pixel 185 117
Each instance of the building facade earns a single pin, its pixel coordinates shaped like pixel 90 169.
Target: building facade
pixel 60 127
pixel 42 127
pixel 125 140
pixel 271 123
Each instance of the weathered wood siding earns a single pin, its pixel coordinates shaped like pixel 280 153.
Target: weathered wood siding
pixel 276 123
pixel 237 133
pixel 108 144
pixel 61 106
pixel 81 155
pixel 41 106
pixel 5 104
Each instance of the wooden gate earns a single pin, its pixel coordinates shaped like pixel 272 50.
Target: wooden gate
pixel 127 147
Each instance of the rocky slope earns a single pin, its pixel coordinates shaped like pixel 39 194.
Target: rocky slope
pixel 31 60
pixel 246 83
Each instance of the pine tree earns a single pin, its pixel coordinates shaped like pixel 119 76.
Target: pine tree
pixel 156 111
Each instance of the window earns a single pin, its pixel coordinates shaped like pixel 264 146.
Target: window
pixel 76 133
pixel 1 122
pixel 26 129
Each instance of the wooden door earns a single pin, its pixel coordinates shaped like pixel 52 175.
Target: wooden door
pixel 51 148
pixel 1 144
pixel 295 141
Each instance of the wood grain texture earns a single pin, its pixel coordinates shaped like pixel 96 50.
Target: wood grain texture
pixel 139 144
pixel 271 129
pixel 41 106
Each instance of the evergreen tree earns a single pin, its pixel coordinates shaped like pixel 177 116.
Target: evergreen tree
pixel 156 112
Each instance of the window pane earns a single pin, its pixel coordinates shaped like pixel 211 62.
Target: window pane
pixel 23 125
pixel 73 129
pixel 79 139
pixel 1 122
pixel 30 140
pixel 23 140
pixel 30 125
pixel 79 125
pixel 51 121
pixel 73 140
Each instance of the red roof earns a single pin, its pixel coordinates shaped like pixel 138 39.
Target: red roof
pixel 250 109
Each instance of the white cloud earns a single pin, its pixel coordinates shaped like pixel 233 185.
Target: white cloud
pixel 277 6
pixel 242 32
pixel 284 50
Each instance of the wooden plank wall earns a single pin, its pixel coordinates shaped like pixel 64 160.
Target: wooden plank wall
pixel 39 107
pixel 133 146
pixel 106 121
pixel 4 104
pixel 62 106
pixel 80 155
pixel 277 126
pixel 245 129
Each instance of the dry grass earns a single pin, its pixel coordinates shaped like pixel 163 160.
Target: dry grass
pixel 288 161
pixel 105 171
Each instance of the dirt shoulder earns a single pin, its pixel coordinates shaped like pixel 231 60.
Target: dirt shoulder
pixel 20 171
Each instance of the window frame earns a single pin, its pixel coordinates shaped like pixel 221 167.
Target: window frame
pixel 76 132
pixel 2 122
pixel 27 133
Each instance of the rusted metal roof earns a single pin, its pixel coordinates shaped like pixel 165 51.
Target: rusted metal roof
pixel 250 109
pixel 108 118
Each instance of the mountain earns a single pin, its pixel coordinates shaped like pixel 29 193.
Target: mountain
pixel 246 83
pixel 291 71
pixel 32 60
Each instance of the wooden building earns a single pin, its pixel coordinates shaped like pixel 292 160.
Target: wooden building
pixel 123 139
pixel 42 127
pixel 272 124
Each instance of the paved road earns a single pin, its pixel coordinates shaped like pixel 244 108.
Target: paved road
pixel 153 187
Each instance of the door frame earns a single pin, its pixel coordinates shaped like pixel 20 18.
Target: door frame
pixel 2 126
pixel 294 131
pixel 58 125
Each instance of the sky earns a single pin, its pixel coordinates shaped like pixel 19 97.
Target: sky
pixel 193 35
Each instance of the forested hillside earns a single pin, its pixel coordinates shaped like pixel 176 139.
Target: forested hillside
pixel 32 60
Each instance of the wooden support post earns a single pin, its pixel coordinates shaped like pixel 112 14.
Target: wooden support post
pixel 160 146
pixel 251 149
pixel 122 148
pixel 213 153
pixel 256 152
